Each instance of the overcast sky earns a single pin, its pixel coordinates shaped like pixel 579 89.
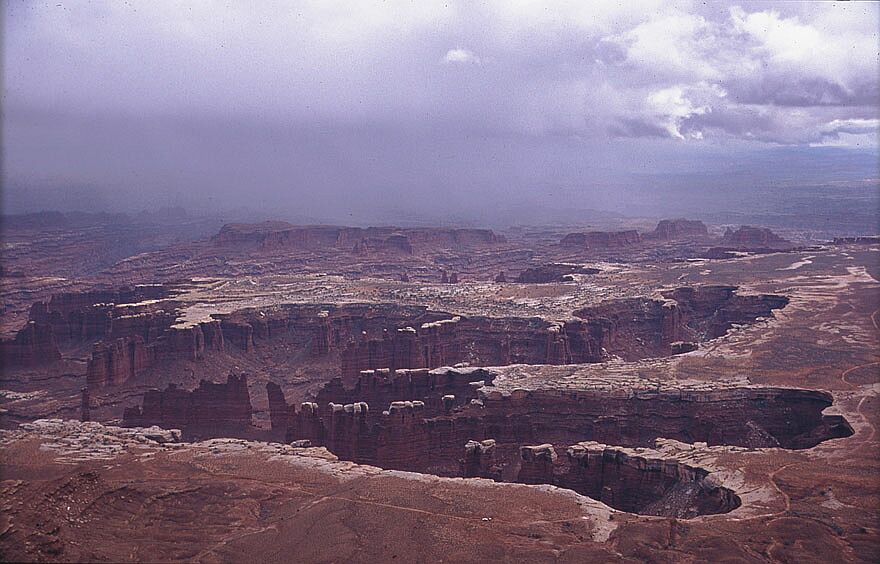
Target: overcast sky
pixel 340 109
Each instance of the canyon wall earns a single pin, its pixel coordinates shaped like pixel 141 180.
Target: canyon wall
pixel 116 361
pixel 547 273
pixel 366 337
pixel 78 317
pixel 637 328
pixel 33 345
pixel 516 436
pixel 748 237
pixel 211 410
pixel 457 424
pixel 670 229
pixel 383 336
pixel 666 230
pixel 133 338
pixel 644 482
pixel 601 239
pixel 422 435
pixel 281 235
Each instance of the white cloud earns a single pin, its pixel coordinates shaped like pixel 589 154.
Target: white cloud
pixel 822 49
pixel 673 44
pixel 671 107
pixel 460 55
pixel 850 133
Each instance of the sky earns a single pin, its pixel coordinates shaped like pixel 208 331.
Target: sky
pixel 474 111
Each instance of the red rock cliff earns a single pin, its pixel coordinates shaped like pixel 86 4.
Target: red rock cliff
pixel 33 345
pixel 211 410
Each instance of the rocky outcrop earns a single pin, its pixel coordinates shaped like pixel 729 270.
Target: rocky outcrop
pixel 81 317
pixel 85 405
pixel 671 229
pixel 439 392
pixel 116 361
pixel 549 273
pixel 385 336
pixel 498 430
pixel 601 240
pixel 639 481
pixel 430 438
pixel 748 237
pixel 742 416
pixel 536 464
pixel 211 410
pixel 33 345
pixel 395 243
pixel 282 235
pixel 749 417
pixel 475 340
pixel 666 230
pixel 381 386
pixel 863 240
pixel 279 411
pixel 635 328
pixel 479 460
pixel 367 337
pixel 710 311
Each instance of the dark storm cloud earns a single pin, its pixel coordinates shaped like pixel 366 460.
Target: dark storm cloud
pixel 332 108
pixel 794 90
pixel 634 127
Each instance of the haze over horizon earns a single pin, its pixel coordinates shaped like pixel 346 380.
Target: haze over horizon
pixel 494 112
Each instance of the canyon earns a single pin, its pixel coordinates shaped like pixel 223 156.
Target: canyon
pixel 129 339
pixel 456 424
pixel 597 387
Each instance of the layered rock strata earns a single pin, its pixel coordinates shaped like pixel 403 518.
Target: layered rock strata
pixel 558 437
pixel 548 273
pixel 211 410
pixel 601 239
pixel 666 230
pixel 642 481
pixel 78 317
pixel 281 235
pixel 671 229
pixel 131 339
pixel 384 336
pixel 748 237
pixel 116 361
pixel 426 435
pixel 33 345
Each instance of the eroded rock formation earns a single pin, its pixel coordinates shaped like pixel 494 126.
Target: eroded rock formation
pixel 116 361
pixel 492 435
pixel 33 345
pixel 639 328
pixel 78 317
pixel 556 272
pixel 750 417
pixel 748 237
pixel 635 480
pixel 670 229
pixel 395 337
pixel 863 240
pixel 600 240
pixel 282 235
pixel 211 410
